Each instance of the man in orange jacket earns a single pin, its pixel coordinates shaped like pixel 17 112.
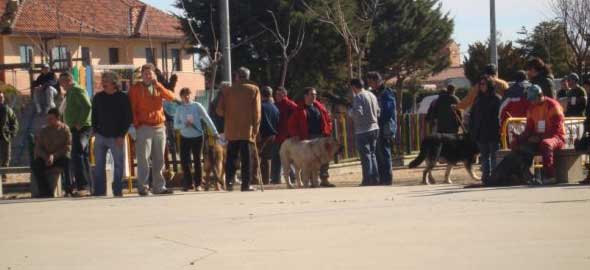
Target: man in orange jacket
pixel 545 128
pixel 148 119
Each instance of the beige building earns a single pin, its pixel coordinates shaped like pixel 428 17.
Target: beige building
pixel 92 32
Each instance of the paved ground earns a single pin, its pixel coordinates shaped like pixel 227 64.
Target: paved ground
pixel 400 227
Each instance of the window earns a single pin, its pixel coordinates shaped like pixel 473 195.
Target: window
pixel 150 55
pixel 26 54
pixel 113 56
pixel 176 61
pixel 59 55
pixel 86 60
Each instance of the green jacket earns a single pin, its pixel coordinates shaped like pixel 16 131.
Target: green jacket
pixel 78 108
pixel 8 123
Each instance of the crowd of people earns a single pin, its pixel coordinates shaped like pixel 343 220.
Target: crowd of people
pixel 491 101
pixel 255 122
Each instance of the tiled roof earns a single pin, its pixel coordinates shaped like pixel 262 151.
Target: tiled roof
pixel 117 18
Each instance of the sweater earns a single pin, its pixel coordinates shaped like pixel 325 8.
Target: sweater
pixel 196 112
pixel 365 112
pixel 500 86
pixel 78 108
pixel 240 107
pixel 111 114
pixel 56 141
pixel 148 108
pixel 269 119
pixel 286 108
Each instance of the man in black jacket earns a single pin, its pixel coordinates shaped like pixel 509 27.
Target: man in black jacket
pixel 269 122
pixel 576 97
pixel 111 118
pixel 443 113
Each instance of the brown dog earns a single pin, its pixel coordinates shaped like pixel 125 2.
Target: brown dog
pixel 307 157
pixel 214 164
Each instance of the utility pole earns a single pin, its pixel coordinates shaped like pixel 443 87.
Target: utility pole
pixel 225 40
pixel 493 32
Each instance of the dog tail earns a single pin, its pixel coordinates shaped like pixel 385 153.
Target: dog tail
pixel 419 159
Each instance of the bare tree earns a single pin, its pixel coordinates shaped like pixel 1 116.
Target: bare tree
pixel 575 16
pixel 357 38
pixel 289 51
pixel 212 51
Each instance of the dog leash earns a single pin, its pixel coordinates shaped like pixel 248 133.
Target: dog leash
pixel 458 118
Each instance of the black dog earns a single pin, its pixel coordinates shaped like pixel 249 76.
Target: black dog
pixel 514 169
pixel 449 148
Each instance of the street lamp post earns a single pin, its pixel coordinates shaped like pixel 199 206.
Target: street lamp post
pixel 493 41
pixel 225 40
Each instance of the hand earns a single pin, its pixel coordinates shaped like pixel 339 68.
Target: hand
pixel 77 127
pixel 50 160
pixel 120 141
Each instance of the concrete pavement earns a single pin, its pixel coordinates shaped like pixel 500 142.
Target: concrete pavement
pixel 440 227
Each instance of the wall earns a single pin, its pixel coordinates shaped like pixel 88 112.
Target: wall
pixel 131 51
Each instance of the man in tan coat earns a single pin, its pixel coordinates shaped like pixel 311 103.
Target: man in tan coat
pixel 240 107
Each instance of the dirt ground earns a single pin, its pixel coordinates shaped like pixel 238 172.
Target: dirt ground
pixel 342 175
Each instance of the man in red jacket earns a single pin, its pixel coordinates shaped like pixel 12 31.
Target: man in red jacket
pixel 311 120
pixel 286 108
pixel 545 128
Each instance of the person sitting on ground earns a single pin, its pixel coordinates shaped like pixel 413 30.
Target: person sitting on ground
pixel 443 113
pixel 544 127
pixel 540 74
pixel 576 97
pixel 53 147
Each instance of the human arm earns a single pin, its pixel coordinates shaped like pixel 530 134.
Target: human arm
pixel 66 147
pixel 220 106
pixel 468 100
pixel 81 109
pixel 165 93
pixel 204 116
pixel 134 102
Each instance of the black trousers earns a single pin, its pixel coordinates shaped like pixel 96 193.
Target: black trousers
pixel 234 148
pixel 192 146
pixel 80 159
pixel 39 168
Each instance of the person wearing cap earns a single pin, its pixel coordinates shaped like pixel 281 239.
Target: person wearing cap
pixel 443 113
pixel 44 90
pixel 545 128
pixel 187 119
pixel 491 71
pixel 514 103
pixel 540 74
pixel 576 97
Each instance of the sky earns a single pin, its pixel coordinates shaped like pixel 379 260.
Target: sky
pixel 472 17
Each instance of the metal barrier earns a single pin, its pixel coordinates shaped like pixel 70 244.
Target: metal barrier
pixel 574 129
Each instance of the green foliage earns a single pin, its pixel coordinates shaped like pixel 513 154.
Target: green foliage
pixel 510 60
pixel 405 39
pixel 548 41
pixel 410 37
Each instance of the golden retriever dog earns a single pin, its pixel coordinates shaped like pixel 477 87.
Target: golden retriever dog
pixel 306 157
pixel 214 164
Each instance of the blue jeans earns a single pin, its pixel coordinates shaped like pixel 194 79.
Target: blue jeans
pixel 101 146
pixel 366 144
pixel 384 162
pixel 487 158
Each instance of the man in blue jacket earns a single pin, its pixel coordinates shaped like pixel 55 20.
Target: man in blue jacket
pixel 387 126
